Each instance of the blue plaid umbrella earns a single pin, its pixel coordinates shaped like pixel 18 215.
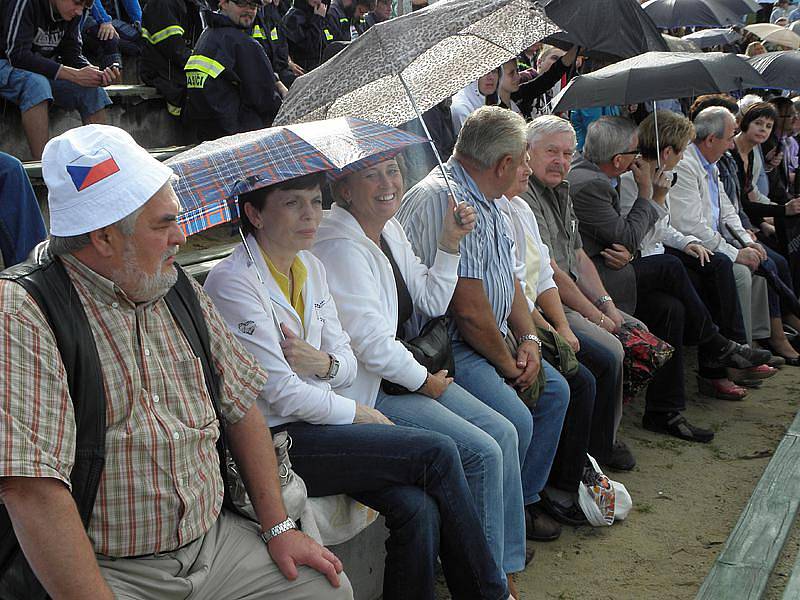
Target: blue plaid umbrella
pixel 211 175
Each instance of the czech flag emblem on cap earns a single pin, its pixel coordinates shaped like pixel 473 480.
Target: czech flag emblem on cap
pixel 88 170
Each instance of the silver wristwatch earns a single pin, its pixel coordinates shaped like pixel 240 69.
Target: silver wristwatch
pixel 530 337
pixel 602 300
pixel 280 528
pixel 333 369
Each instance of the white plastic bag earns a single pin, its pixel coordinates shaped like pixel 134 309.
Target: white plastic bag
pixel 601 499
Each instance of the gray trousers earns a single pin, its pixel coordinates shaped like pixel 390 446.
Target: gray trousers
pixel 583 327
pixel 752 293
pixel 227 563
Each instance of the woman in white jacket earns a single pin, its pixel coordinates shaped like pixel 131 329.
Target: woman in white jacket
pixel 274 296
pixel 378 283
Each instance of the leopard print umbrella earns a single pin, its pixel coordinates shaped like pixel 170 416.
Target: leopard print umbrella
pixel 435 52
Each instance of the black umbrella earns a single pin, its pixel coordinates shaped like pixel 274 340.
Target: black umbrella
pixel 618 28
pixel 658 76
pixel 693 13
pixel 781 70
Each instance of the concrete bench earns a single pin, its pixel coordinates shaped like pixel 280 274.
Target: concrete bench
pixel 743 568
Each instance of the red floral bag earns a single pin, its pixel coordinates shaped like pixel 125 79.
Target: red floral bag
pixel 644 355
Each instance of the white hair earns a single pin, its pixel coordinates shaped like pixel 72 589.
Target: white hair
pixel 546 126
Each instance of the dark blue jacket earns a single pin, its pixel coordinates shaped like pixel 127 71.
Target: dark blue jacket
pixel 35 37
pixel 230 82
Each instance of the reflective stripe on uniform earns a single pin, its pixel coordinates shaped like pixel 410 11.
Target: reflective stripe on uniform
pixel 273 34
pixel 204 64
pixel 328 36
pixel 344 20
pixel 258 33
pixel 160 36
pixel 175 111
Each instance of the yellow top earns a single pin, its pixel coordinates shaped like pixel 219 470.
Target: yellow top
pixel 299 274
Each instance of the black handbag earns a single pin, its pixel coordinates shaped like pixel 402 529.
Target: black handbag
pixel 431 348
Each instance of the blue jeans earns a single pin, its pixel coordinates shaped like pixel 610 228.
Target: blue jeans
pixel 21 224
pixel 487 444
pixel 27 89
pixel 538 430
pixel 415 480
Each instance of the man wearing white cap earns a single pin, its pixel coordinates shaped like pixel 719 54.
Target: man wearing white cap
pixel 157 528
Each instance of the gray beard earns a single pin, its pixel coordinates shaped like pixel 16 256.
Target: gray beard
pixel 144 288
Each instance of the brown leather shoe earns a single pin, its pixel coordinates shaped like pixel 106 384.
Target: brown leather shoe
pixel 539 526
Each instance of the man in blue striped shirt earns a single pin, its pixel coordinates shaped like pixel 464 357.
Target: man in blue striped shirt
pixel 488 303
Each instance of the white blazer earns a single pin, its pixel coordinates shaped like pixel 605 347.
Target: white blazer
pixel 361 280
pixel 690 206
pixel 254 311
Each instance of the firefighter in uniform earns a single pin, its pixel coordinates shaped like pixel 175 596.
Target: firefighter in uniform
pixel 170 29
pixel 231 86
pixel 308 32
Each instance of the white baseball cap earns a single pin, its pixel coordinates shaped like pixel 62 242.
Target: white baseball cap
pixel 95 176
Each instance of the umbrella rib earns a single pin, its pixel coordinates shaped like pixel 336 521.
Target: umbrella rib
pixel 487 40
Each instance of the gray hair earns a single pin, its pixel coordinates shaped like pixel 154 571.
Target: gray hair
pixel 606 137
pixel 59 246
pixel 547 125
pixel 711 121
pixel 748 101
pixel 489 134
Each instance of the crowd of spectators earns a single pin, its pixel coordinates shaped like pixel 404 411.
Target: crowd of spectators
pixel 578 228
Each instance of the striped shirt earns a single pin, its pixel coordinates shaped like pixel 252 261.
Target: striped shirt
pixel 161 486
pixel 486 252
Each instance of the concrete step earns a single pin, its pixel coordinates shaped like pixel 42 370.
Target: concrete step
pixel 138 109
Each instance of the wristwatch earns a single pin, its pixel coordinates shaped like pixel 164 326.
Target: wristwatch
pixel 602 300
pixel 333 369
pixel 282 527
pixel 531 337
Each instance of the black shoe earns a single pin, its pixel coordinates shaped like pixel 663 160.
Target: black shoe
pixel 738 356
pixel 675 424
pixel 620 459
pixel 567 515
pixel 539 526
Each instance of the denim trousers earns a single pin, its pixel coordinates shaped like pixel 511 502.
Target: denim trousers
pixel 538 430
pixel 487 444
pixel 415 480
pixel 21 224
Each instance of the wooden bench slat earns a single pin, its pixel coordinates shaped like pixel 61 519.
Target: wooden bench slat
pixel 753 548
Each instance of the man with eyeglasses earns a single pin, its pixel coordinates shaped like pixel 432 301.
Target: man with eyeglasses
pixel 41 61
pixel 665 299
pixel 231 87
pixel 700 207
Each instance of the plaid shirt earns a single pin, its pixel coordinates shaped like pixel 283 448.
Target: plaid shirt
pixel 161 486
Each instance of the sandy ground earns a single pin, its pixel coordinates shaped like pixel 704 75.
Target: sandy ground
pixel 687 497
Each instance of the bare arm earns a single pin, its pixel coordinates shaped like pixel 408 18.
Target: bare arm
pixel 251 447
pixel 473 316
pixel 550 303
pixel 572 296
pixel 52 536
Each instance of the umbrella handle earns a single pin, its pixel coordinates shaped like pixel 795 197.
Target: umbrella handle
pixel 432 145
